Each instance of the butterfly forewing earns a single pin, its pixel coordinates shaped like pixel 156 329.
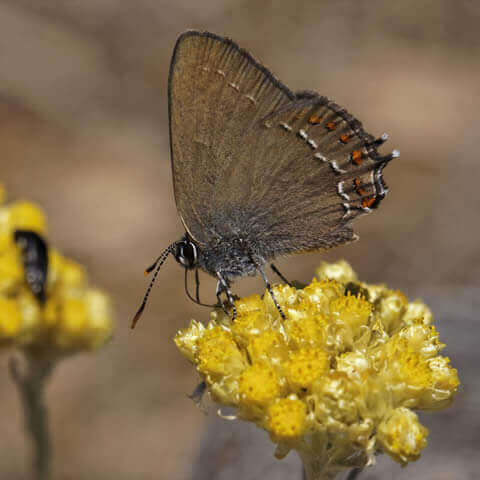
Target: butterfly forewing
pixel 216 91
pixel 286 172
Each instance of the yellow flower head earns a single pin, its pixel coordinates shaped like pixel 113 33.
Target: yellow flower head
pixel 218 354
pixel 391 308
pixel 340 271
pixel 318 296
pixel 402 436
pixel 287 419
pixel 258 385
pixel 306 329
pixel 339 398
pixel 269 347
pixel 350 315
pixel 334 380
pixel 251 319
pixel 306 366
pixel 187 340
pixel 74 317
pixel 417 311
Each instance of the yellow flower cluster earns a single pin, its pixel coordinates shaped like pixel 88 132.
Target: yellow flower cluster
pixel 74 316
pixel 337 379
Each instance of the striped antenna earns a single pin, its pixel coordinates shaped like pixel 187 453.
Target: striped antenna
pixel 158 264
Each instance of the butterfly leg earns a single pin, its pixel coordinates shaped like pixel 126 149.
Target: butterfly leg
pixel 270 291
pixel 197 299
pixel 197 286
pixel 218 293
pixel 280 275
pixel 223 286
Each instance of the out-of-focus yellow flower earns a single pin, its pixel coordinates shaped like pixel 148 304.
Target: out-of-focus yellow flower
pixel 27 216
pixel 74 317
pixel 337 378
pixel 10 318
pixel 11 270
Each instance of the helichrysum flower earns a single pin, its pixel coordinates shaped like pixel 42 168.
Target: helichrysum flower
pixel 74 316
pixel 337 379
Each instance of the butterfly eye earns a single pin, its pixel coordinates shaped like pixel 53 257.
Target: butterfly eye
pixel 186 254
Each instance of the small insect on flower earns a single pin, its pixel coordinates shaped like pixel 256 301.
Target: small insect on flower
pixel 337 378
pixel 35 261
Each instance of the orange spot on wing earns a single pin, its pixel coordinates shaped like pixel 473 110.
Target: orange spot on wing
pixel 331 126
pixel 357 157
pixel 314 119
pixel 344 138
pixel 368 202
pixel 358 187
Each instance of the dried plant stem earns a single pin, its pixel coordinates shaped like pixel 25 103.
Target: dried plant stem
pixel 317 468
pixel 30 376
pixel 354 474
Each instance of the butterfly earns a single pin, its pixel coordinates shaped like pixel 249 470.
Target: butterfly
pixel 258 170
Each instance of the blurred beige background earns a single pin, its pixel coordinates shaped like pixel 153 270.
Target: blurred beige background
pixel 83 132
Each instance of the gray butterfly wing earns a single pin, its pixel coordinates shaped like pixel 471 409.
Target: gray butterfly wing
pixel 216 92
pixel 285 172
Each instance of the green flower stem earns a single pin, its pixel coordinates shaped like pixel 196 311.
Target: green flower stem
pixel 30 378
